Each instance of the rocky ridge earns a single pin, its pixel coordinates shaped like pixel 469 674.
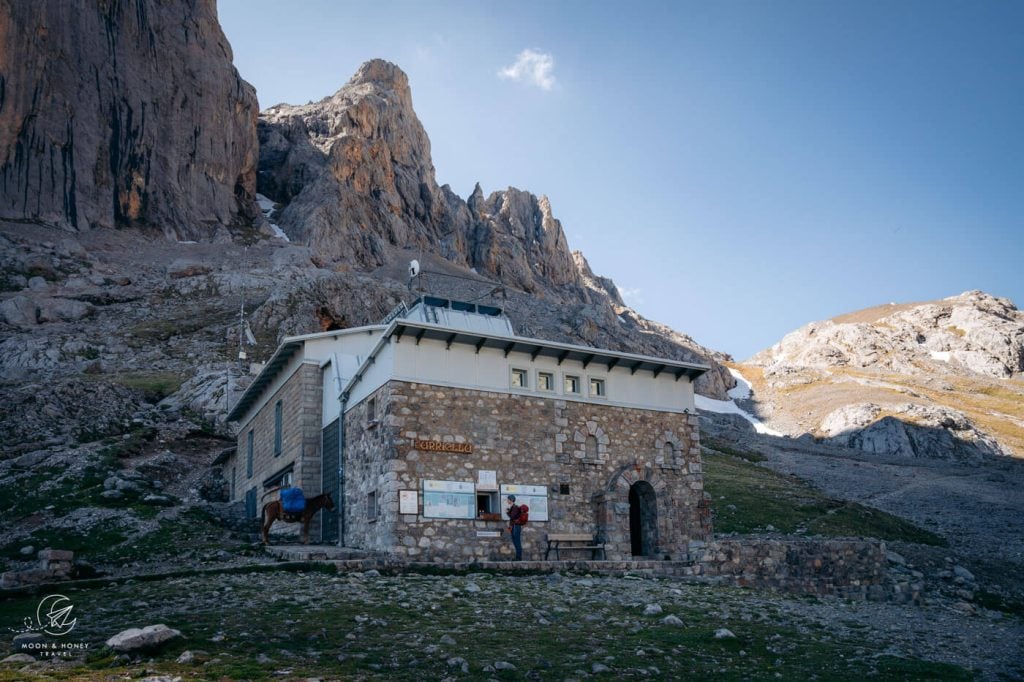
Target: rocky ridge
pixel 938 379
pixel 974 332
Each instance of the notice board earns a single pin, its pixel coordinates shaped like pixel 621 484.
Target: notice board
pixel 449 500
pixel 533 496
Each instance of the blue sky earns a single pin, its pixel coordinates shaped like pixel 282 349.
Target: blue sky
pixel 738 168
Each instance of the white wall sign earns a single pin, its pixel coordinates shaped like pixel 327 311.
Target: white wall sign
pixel 408 502
pixel 486 480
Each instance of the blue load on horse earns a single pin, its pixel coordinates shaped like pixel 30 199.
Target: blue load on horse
pixel 293 501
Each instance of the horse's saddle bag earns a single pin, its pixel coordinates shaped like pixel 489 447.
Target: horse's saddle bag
pixel 293 501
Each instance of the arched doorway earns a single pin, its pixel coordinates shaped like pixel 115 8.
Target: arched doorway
pixel 643 519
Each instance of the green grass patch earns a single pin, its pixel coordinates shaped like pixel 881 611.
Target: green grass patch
pixel 747 498
pixel 158 385
pixel 723 447
pixel 86 544
pixel 998 602
pixel 130 445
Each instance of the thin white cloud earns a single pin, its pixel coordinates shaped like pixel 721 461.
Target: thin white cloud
pixel 532 67
pixel 632 295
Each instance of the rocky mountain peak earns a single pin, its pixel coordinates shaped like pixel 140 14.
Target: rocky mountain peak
pixel 355 182
pixel 384 75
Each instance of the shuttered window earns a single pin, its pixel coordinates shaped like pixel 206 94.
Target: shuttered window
pixel 248 455
pixel 278 416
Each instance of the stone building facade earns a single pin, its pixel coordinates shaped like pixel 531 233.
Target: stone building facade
pixel 421 427
pixel 540 442
pixel 280 443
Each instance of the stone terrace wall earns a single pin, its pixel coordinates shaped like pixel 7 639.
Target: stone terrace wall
pixel 855 569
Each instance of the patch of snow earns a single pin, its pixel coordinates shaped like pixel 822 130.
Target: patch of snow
pixel 742 389
pixel 188 242
pixel 943 355
pixel 266 204
pixel 729 407
pixel 279 233
pixel 621 319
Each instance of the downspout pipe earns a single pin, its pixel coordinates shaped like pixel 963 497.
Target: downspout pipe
pixel 341 470
pixel 343 398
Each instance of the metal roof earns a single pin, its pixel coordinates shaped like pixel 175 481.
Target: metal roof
pixel 401 330
pixel 280 358
pixel 274 365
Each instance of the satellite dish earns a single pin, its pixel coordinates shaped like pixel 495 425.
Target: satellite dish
pixel 414 268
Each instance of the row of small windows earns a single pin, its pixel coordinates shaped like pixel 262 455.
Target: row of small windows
pixel 278 439
pixel 572 384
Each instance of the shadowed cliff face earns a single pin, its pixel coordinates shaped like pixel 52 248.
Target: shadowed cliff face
pixel 123 113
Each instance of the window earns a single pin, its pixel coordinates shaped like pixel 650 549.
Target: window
pixel 282 479
pixel 487 503
pixel 563 488
pixel 371 409
pixel 248 455
pixel 520 378
pixel 597 388
pixel 572 384
pixel 250 503
pixel 371 506
pixel 671 454
pixel 278 419
pixel 545 381
pixel 590 446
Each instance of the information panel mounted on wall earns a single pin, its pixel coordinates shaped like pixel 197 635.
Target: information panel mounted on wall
pixel 534 496
pixel 449 500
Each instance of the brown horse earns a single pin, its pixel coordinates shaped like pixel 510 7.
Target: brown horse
pixel 273 511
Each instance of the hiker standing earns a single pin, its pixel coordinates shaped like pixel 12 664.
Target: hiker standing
pixel 515 526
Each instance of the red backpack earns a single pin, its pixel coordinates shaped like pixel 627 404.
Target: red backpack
pixel 524 515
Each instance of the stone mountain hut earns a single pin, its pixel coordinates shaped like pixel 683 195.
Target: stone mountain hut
pixel 421 426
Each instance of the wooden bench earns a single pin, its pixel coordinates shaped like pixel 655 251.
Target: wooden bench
pixel 557 541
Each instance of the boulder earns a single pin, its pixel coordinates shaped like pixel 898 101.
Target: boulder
pixel 20 311
pixel 63 310
pixel 908 430
pixel 187 267
pixel 149 637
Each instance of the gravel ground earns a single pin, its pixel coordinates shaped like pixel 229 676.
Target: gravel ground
pixel 477 626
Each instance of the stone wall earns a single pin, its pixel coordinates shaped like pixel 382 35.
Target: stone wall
pixel 587 456
pixel 300 398
pixel 55 565
pixel 855 569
